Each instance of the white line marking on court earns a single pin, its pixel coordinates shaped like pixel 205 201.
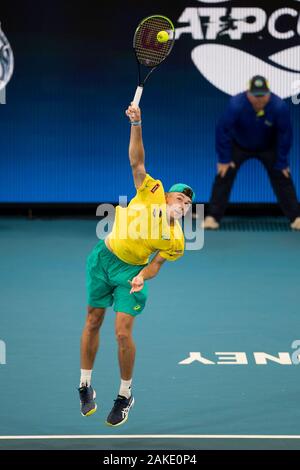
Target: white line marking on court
pixel 156 436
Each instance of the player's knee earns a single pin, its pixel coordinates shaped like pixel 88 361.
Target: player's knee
pixel 94 318
pixel 123 336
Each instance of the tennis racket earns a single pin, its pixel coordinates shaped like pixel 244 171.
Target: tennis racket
pixel 6 60
pixel 149 51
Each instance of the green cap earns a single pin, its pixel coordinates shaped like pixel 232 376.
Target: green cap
pixel 184 189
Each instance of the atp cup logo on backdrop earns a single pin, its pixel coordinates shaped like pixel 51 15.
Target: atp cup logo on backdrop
pixel 239 39
pixel 6 64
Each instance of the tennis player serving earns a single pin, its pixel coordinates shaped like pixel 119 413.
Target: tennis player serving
pixel 118 269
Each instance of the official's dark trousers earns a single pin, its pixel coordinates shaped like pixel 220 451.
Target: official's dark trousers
pixel 283 187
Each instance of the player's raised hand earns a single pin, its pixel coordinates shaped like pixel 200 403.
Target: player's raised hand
pixel 137 284
pixel 133 112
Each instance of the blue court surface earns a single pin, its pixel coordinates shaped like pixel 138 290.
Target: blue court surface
pixel 239 294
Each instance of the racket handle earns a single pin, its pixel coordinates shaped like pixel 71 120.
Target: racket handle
pixel 138 95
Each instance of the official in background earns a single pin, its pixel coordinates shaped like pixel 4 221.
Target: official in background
pixel 256 124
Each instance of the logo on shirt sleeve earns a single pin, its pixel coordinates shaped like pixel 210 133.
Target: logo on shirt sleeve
pixel 155 188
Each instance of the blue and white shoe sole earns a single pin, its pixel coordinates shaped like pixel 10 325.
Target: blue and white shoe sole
pixel 124 420
pixel 90 413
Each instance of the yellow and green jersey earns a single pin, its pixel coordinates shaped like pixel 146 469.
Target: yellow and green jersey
pixel 142 228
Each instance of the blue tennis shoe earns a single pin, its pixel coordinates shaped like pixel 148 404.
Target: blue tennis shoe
pixel 87 396
pixel 120 411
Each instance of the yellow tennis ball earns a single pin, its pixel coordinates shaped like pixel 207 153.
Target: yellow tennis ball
pixel 162 36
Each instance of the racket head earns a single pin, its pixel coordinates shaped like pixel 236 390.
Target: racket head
pixel 6 60
pixel 148 50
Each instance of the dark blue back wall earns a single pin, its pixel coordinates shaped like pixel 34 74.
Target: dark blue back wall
pixel 64 134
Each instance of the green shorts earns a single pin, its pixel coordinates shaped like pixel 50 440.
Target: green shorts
pixel 107 282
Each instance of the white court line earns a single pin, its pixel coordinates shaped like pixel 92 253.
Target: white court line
pixel 157 436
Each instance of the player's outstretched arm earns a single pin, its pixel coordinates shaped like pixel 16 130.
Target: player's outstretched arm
pixel 150 271
pixel 136 147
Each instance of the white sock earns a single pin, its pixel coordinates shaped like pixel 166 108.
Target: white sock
pixel 85 378
pixel 125 388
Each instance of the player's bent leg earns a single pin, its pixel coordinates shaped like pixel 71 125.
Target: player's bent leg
pixel 90 336
pixel 89 347
pixel 126 347
pixel 126 353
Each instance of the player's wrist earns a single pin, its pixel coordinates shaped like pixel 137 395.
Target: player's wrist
pixel 136 123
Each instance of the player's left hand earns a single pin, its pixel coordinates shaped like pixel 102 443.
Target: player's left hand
pixel 133 112
pixel 137 284
pixel 286 172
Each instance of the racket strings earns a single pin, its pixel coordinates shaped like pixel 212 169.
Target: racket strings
pixel 149 51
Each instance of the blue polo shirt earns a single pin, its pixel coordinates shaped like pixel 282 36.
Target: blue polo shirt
pixel 254 131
